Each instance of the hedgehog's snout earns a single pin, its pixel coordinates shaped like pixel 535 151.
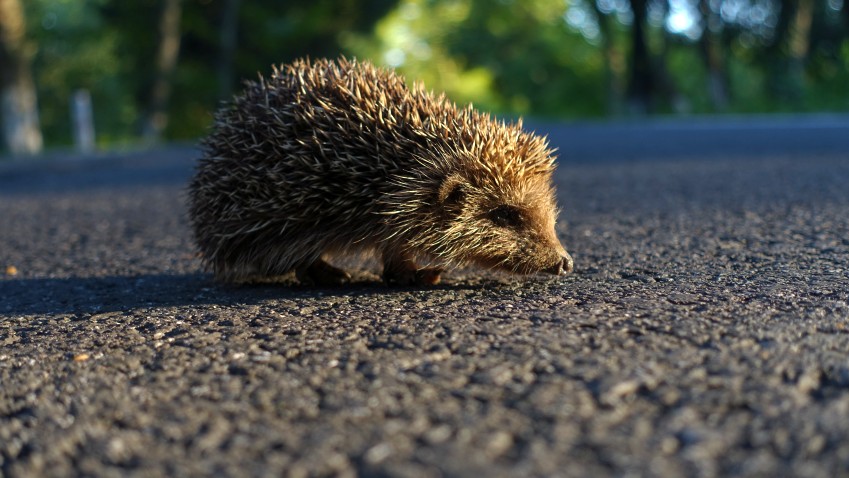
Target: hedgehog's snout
pixel 563 266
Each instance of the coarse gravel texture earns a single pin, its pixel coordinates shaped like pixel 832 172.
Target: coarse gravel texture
pixel 704 332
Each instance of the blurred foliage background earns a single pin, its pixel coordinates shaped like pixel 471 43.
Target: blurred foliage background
pixel 157 69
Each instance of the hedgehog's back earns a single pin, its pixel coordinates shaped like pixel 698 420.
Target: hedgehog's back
pixel 301 159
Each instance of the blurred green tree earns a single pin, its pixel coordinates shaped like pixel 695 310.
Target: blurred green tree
pixel 515 57
pixel 77 48
pixel 549 58
pixel 225 41
pixel 116 50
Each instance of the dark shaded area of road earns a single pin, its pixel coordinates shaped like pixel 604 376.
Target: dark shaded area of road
pixel 704 332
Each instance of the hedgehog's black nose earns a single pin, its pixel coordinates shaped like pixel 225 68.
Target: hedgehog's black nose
pixel 562 267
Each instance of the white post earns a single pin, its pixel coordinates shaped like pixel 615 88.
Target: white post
pixel 19 118
pixel 83 121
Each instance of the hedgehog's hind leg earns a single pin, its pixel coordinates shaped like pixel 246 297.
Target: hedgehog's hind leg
pixel 320 272
pixel 402 270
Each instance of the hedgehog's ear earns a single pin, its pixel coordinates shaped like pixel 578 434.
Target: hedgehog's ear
pixel 452 191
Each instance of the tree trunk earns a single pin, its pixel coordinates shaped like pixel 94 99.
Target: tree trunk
pixel 664 89
pixel 710 48
pixel 800 35
pixel 166 63
pixel 778 84
pixel 229 36
pixel 641 82
pixel 845 11
pixel 613 63
pixel 18 106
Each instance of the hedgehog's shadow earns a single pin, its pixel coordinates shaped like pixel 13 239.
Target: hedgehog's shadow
pixel 366 279
pixel 366 282
pixel 79 296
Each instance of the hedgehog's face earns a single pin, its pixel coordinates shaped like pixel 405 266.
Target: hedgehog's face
pixel 500 225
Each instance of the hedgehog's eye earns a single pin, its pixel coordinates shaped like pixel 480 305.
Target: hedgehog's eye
pixel 456 195
pixel 505 216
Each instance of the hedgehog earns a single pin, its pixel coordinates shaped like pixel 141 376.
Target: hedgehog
pixel 331 158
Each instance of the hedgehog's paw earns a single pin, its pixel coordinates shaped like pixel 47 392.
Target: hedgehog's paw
pixel 321 273
pixel 405 272
pixel 429 275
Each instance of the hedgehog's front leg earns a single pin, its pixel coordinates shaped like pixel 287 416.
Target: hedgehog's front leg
pixel 321 272
pixel 402 270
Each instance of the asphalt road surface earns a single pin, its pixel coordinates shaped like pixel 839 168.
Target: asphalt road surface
pixel 704 331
